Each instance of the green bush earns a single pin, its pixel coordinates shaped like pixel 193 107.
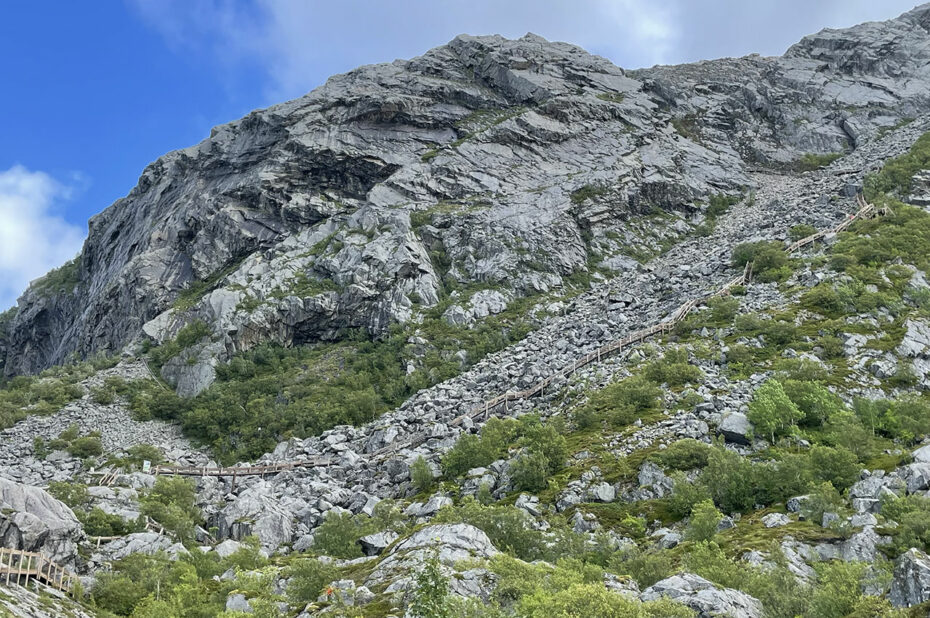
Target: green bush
pixel 430 597
pixel 896 174
pixel 723 309
pixel 96 522
pixel 620 403
pixel 646 567
pixel 421 475
pixel 837 466
pixel 802 230
pixel 673 369
pixel 171 503
pixel 529 471
pixel 822 498
pixel 87 446
pixel 339 533
pixel 772 412
pixel 685 495
pixel 687 454
pixel 816 403
pixel 511 529
pixel 306 579
pixel 704 520
pixel 812 161
pixel 73 494
pixel 770 262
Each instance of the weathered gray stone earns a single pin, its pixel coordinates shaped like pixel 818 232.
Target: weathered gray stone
pixel 910 584
pixel 704 597
pixel 32 520
pixel 735 427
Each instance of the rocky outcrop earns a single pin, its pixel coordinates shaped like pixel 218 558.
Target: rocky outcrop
pixel 910 584
pixel 32 520
pixel 451 544
pixel 704 597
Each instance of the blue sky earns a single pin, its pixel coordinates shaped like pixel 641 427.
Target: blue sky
pixel 94 91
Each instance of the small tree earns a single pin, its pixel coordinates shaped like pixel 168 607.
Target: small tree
pixel 704 520
pixel 421 475
pixel 772 412
pixel 431 594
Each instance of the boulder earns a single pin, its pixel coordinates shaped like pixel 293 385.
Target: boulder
pixel 32 520
pixel 452 543
pixel 735 427
pixel 704 597
pixel 910 583
pixel 916 476
pixel 774 520
pixel 374 544
pixel 922 455
pixel 147 543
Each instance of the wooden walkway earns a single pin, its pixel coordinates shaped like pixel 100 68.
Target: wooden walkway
pixel 18 567
pixel 236 471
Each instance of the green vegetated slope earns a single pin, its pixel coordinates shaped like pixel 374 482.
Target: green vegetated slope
pixel 815 429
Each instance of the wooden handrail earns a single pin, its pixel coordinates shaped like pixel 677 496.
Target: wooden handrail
pixel 18 567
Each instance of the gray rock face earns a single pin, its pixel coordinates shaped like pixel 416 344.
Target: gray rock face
pixel 32 520
pixel 295 220
pixel 910 584
pixel 703 597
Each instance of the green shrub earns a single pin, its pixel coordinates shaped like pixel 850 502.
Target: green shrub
pixel 306 579
pixel 87 446
pixel 772 412
pixel 171 503
pixel 770 262
pixel 73 494
pixel 812 161
pixel 646 567
pixel 620 403
pixel 822 498
pixel 96 522
pixel 896 174
pixel 430 597
pixel 511 529
pixel 802 230
pixel 685 495
pixel 529 471
pixel 145 452
pixel 704 520
pixel 837 466
pixel 673 369
pixel 339 533
pixel 816 403
pixel 421 475
pixel 723 309
pixel 687 454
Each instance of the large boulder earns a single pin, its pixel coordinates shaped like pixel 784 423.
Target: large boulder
pixel 452 543
pixel 910 584
pixel 32 520
pixel 704 597
pixel 256 511
pixel 735 427
pixel 916 476
pixel 147 543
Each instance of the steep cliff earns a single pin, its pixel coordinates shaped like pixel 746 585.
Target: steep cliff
pixel 490 161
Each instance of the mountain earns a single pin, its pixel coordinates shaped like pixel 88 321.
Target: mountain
pixel 501 330
pixel 491 138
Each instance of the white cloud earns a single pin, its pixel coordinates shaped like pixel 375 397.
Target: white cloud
pixel 33 239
